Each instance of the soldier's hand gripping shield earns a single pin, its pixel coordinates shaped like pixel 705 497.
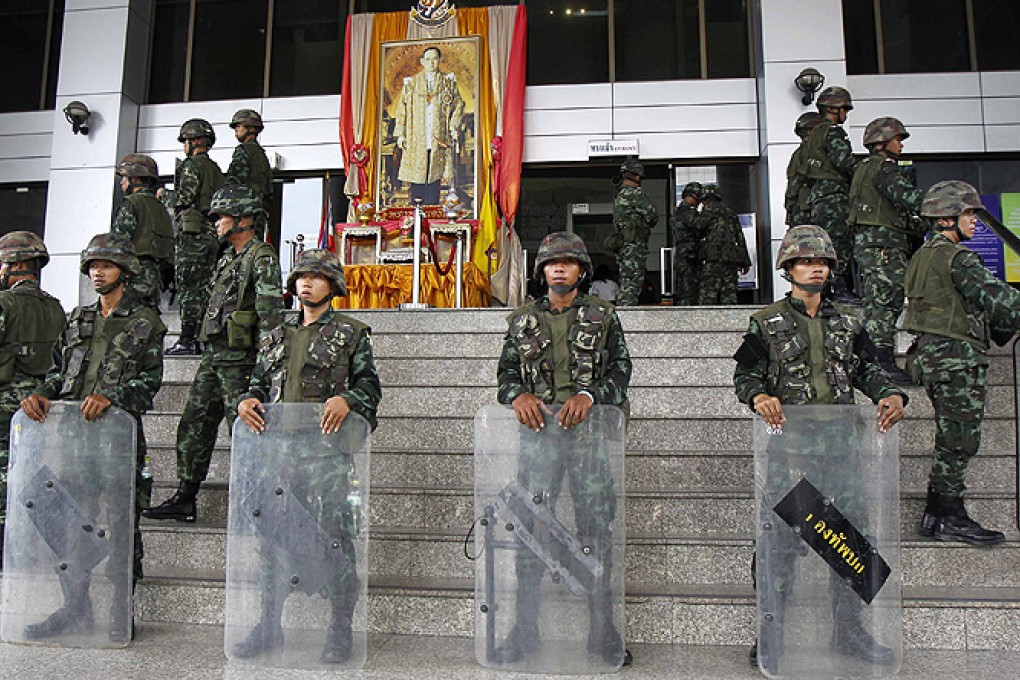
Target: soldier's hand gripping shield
pixel 828 545
pixel 70 539
pixel 550 539
pixel 297 541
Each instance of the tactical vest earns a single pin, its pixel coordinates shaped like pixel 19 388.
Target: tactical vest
pixel 154 236
pixel 799 369
pixel 260 177
pixel 798 187
pixel 867 204
pixel 817 165
pixel 128 340
pixel 326 370
pixel 587 347
pixel 233 290
pixel 33 320
pixel 212 180
pixel 935 305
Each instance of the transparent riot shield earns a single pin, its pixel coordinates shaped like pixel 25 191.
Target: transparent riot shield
pixel 297 541
pixel 70 534
pixel 828 545
pixel 550 539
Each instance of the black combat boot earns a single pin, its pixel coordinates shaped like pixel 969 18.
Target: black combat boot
pixel 74 616
pixel 849 637
pixel 524 637
pixel 267 634
pixel 603 637
pixel 180 506
pixel 946 519
pixel 887 361
pixel 185 345
pixel 339 635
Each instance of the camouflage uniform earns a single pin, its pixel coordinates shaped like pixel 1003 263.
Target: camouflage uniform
pixel 634 217
pixel 30 322
pixel 555 355
pixel 686 234
pixel 956 307
pixel 798 184
pixel 249 165
pixel 723 250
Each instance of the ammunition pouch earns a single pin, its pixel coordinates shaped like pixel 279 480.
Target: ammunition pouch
pixel 241 329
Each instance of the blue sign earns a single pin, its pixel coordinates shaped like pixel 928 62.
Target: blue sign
pixel 986 244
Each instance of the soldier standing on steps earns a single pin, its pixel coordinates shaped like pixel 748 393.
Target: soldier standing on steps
pixel 568 350
pixel 955 307
pixel 325 357
pixel 249 165
pixel 110 354
pixel 723 250
pixel 806 349
pixel 798 184
pixel 245 304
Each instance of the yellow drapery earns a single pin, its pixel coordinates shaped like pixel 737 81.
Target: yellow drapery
pixel 386 286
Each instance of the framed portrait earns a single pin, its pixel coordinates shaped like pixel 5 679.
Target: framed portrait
pixel 427 123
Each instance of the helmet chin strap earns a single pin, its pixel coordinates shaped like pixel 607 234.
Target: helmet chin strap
pixel 237 229
pixel 564 289
pixel 110 287
pixel 314 305
pixel 813 288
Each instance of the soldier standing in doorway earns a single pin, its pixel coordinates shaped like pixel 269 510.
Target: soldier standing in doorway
pixel 723 250
pixel 634 217
pixel 686 237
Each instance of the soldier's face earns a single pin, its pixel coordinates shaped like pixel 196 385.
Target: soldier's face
pixel 312 287
pixel 103 272
pixel 967 223
pixel 562 272
pixel 895 146
pixel 430 61
pixel 124 184
pixel 224 223
pixel 810 270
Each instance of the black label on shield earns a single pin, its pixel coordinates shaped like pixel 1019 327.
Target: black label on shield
pixel 835 539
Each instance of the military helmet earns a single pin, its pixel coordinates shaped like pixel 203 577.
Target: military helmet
pixel 316 261
pixel 806 122
pixel 883 130
pixel 692 189
pixel 138 165
pixel 950 198
pixel 806 240
pixel 562 244
pixel 235 201
pixel 633 167
pixel 22 246
pixel 835 97
pixel 249 117
pixel 113 247
pixel 196 128
pixel 711 190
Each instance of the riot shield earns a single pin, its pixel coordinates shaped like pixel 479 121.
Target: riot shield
pixel 828 544
pixel 550 540
pixel 297 541
pixel 70 534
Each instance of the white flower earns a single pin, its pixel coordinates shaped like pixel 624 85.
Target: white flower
pixel 451 77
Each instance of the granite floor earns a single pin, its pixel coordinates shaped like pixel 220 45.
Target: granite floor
pixel 176 652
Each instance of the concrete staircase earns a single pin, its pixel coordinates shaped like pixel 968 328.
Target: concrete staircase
pixel 689 486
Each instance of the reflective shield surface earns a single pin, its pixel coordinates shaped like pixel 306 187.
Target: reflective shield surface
pixel 828 544
pixel 70 541
pixel 297 541
pixel 550 539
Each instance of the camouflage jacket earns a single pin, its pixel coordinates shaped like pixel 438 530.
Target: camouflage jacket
pixel 800 360
pixel 686 230
pixel 722 237
pixel 338 362
pixel 144 220
pixel 124 362
pixel 250 167
pixel 798 190
pixel 885 203
pixel 245 302
pixel 634 215
pixel 599 362
pixel 832 163
pixel 26 345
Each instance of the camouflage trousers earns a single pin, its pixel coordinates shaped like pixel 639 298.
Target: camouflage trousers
pixel 883 271
pixel 718 284
pixel 632 260
pixel 194 264
pixel 686 277
pixel 831 212
pixel 214 394
pixel 148 287
pixel 954 373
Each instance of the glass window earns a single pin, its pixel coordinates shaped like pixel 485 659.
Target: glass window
pixel 23 208
pixel 996 26
pixel 726 39
pixel 308 38
pixel 859 37
pixel 568 41
pixel 23 26
pixel 229 52
pixel 925 36
pixel 169 51
pixel 657 39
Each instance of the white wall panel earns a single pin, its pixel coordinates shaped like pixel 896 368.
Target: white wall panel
pixel 321 131
pixel 25 146
pixel 790 30
pixel 599 95
pixel 316 157
pixel 560 148
pixel 20 170
pixel 914 86
pixel 1001 110
pixel 913 112
pixel 73 5
pixel 89 64
pixel 301 108
pixel 685 118
pixel 712 144
pixel 932 139
pixel 1000 83
pixel 27 122
pixel 578 121
pixel 1002 137
pixel 88 214
pixel 172 115
pixel 722 91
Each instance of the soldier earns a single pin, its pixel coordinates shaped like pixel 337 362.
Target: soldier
pixel 30 321
pixel 723 250
pixel 196 247
pixel 110 354
pixel 956 307
pixel 884 202
pixel 829 163
pixel 320 356
pixel 833 357
pixel 245 304
pixel 686 266
pixel 541 367
pixel 798 184
pixel 634 217
pixel 145 221
pixel 249 166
